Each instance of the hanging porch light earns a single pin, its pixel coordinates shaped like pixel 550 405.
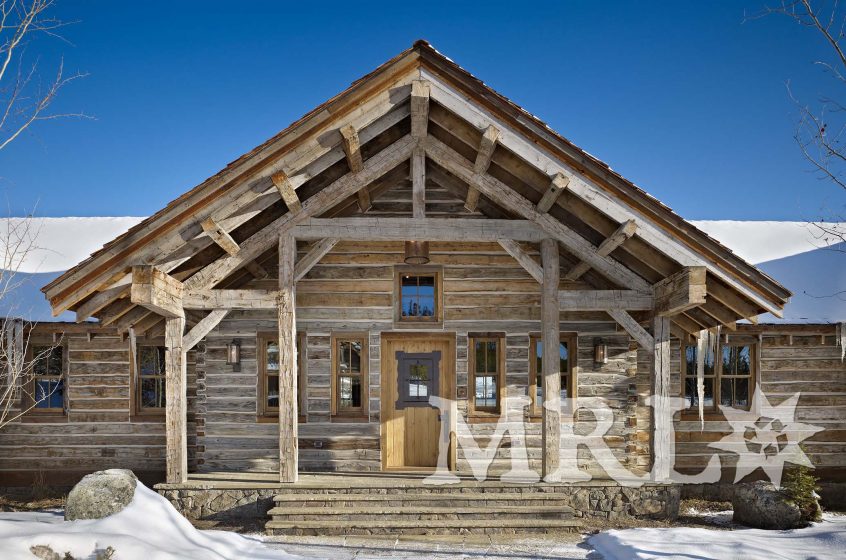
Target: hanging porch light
pixel 416 252
pixel 233 354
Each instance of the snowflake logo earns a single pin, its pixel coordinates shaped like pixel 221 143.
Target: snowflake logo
pixel 767 439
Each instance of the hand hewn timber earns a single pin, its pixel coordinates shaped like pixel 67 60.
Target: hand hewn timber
pixel 229 299
pixel 352 150
pixel 430 229
pixel 730 299
pixel 622 233
pixel 418 183
pixel 510 199
pixel 100 300
pixel 487 145
pixel 681 291
pixel 156 291
pixel 203 328
pixel 550 336
pixel 662 415
pixel 603 300
pixel 176 403
pixel 528 149
pixel 343 187
pixel 256 269
pixel 419 108
pixel 643 338
pixel 317 252
pixel 288 452
pixel 220 236
pixel 556 187
pixel 526 261
pixel 286 191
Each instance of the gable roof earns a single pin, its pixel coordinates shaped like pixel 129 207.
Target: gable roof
pixel 375 103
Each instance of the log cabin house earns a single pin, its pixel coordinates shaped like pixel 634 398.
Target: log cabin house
pixel 417 234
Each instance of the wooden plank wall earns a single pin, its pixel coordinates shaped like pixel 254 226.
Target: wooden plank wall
pixel 809 364
pixel 98 432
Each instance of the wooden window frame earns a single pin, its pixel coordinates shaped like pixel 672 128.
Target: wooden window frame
pixel 472 339
pixel 267 414
pixel 138 411
pixel 27 401
pixel 714 411
pixel 572 341
pixel 362 413
pixel 418 322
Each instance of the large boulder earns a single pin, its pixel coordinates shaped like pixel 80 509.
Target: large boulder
pixel 760 504
pixel 101 494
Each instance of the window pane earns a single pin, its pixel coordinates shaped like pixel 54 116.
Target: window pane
pixel 418 381
pixel 692 397
pixel 49 393
pixel 417 294
pixel 47 360
pixel 349 391
pixel 480 357
pixel 690 360
pixel 491 360
pixel 726 391
pixel 741 392
pixel 349 356
pixel 486 391
pixel 737 360
pixel 272 356
pixel 153 393
pixel 563 355
pixel 151 360
pixel 273 391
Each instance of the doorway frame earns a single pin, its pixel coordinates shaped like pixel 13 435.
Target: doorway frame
pixel 448 390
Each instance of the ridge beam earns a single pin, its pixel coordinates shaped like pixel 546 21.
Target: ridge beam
pixel 620 235
pixel 556 187
pixel 419 108
pixel 526 261
pixel 487 145
pixel 286 191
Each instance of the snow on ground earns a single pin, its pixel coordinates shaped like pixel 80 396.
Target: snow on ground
pixel 821 541
pixel 149 528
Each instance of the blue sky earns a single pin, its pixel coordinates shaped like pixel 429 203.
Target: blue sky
pixel 688 101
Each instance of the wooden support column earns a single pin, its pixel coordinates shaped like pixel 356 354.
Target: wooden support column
pixel 176 407
pixel 418 182
pixel 662 418
pixel 550 337
pixel 288 444
pixel 419 108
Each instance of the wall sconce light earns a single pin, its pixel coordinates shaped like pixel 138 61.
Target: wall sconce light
pixel 416 252
pixel 233 354
pixel 600 352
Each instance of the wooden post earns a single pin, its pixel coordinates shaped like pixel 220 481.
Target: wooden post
pixel 288 453
pixel 176 409
pixel 550 337
pixel 661 415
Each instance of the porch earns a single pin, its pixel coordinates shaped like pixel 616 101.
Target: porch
pixel 404 503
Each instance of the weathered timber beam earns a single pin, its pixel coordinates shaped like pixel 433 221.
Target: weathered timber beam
pixel 620 235
pixel 556 187
pixel 203 328
pixel 256 269
pixel 317 252
pixel 418 183
pixel 526 261
pixel 286 191
pixel 662 414
pixel 510 199
pixel 176 402
pixel 643 338
pixel 287 325
pixel 430 229
pixel 487 145
pixel 100 300
pixel 229 299
pixel 551 364
pixel 603 300
pixel 731 299
pixel 220 236
pixel 419 108
pixel 680 291
pixel 375 167
pixel 157 291
pixel 352 150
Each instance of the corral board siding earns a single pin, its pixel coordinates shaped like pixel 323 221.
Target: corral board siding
pixel 99 430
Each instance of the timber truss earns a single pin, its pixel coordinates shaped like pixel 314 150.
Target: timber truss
pixel 417 150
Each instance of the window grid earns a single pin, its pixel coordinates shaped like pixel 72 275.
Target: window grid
pixel 729 380
pixel 536 369
pixel 486 369
pixel 350 375
pixel 48 385
pixel 151 379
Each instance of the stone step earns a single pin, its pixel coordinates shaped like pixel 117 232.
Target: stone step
pixel 344 515
pixel 549 499
pixel 423 527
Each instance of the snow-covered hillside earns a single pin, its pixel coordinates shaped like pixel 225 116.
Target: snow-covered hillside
pixel 794 253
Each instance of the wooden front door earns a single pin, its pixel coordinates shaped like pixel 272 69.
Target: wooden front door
pixel 415 366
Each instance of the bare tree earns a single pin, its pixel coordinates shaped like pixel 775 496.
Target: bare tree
pixel 24 97
pixel 820 129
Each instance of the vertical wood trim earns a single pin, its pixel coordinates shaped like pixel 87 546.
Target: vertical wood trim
pixel 662 419
pixel 550 335
pixel 418 181
pixel 176 409
pixel 288 452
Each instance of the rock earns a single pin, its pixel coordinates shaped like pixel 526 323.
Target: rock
pixel 760 504
pixel 101 494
